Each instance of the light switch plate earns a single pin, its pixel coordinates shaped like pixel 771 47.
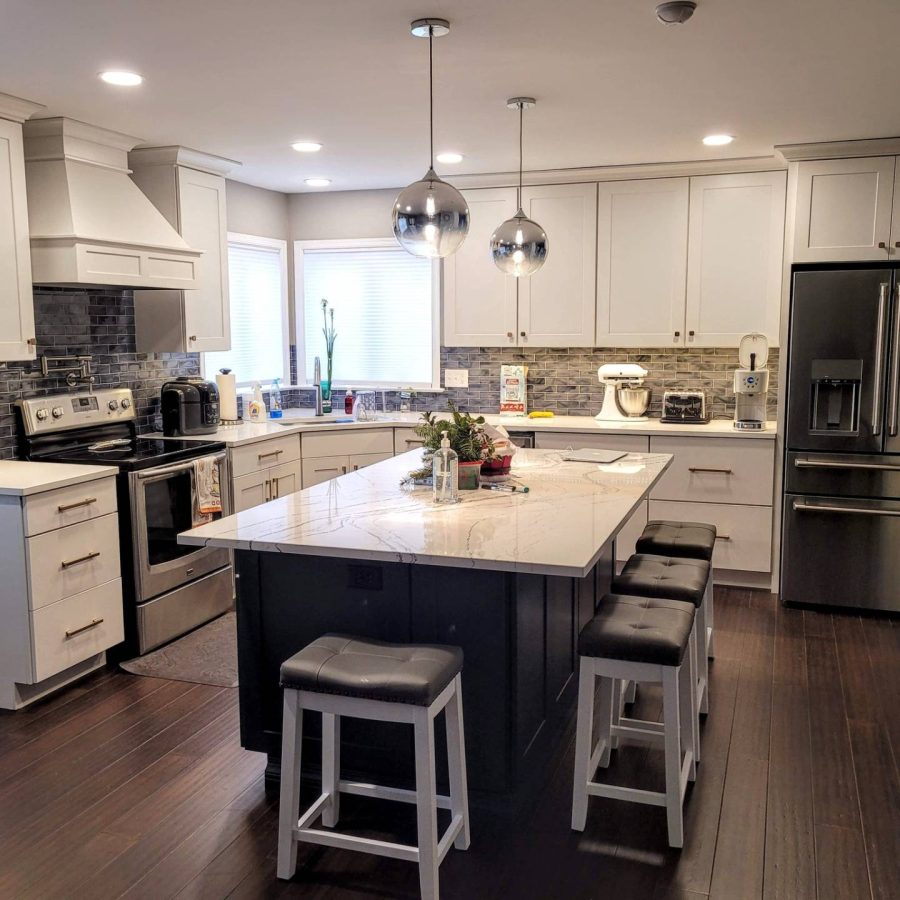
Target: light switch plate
pixel 456 377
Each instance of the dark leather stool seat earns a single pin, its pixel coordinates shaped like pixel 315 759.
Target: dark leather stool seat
pixel 675 578
pixel 694 540
pixel 638 629
pixel 374 670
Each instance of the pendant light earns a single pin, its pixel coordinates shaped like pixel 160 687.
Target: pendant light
pixel 519 246
pixel 431 217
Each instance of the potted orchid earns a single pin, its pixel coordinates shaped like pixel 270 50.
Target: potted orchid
pixel 330 334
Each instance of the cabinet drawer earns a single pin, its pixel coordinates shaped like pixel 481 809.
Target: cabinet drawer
pixel 71 560
pixel 72 630
pixel 361 460
pixel 744 540
pixel 68 505
pixel 324 468
pixel 406 439
pixel 345 443
pixel 562 440
pixel 716 470
pixel 264 454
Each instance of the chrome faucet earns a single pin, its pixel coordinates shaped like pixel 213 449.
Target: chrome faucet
pixel 317 378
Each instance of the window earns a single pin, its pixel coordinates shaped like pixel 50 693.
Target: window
pixel 257 285
pixel 385 313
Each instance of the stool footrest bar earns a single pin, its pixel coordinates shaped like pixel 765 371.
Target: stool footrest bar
pixel 381 792
pixel 618 792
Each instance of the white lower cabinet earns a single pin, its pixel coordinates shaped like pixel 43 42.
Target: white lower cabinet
pixel 406 439
pixel 324 468
pixel 265 484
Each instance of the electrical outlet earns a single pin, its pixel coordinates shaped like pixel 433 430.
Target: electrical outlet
pixel 456 377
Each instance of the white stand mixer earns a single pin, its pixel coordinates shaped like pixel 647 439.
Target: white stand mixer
pixel 615 376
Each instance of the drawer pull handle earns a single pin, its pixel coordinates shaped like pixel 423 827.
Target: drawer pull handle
pixel 262 456
pixel 723 537
pixel 711 471
pixel 65 507
pixel 410 442
pixel 68 563
pixel 332 469
pixel 74 631
pixel 274 488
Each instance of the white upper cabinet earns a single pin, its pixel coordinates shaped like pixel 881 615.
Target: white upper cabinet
pixel 735 250
pixel 843 210
pixel 17 341
pixel 557 303
pixel 642 233
pixel 188 188
pixel 480 302
pixel 895 218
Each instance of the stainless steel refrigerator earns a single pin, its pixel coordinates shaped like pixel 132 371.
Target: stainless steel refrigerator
pixel 841 510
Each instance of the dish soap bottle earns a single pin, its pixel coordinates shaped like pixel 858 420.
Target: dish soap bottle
pixel 275 404
pixel 445 473
pixel 256 406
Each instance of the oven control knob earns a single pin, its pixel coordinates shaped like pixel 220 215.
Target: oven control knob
pixel 57 412
pixel 42 414
pixel 126 403
pixel 114 404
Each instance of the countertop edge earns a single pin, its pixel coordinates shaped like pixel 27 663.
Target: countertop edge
pixel 95 474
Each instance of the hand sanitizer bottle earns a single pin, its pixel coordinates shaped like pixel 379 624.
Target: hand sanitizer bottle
pixel 275 401
pixel 445 473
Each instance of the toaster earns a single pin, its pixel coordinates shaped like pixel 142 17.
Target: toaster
pixel 685 408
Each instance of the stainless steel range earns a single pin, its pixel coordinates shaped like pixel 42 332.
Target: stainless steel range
pixel 169 588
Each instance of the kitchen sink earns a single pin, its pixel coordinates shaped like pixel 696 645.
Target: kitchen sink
pixel 304 420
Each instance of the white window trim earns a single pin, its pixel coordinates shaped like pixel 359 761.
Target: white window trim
pixel 351 244
pixel 255 240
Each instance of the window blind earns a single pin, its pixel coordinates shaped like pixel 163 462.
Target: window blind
pixel 382 301
pixel 258 335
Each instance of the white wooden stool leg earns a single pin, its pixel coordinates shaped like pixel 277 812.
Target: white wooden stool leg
pixel 331 767
pixel 702 659
pixel 426 805
pixel 710 627
pixel 456 758
pixel 289 803
pixel 605 717
pixel 672 723
pixel 584 729
pixel 631 693
pixel 687 694
pixel 618 703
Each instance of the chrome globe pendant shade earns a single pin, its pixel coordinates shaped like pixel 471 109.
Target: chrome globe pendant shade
pixel 431 217
pixel 519 247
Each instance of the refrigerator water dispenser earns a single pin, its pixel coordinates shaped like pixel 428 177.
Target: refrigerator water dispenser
pixel 835 391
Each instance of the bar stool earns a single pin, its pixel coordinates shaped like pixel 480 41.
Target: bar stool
pixel 339 675
pixel 641 639
pixel 673 578
pixel 688 540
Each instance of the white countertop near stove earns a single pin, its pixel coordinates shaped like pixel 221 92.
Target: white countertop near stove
pixel 572 511
pixel 19 478
pixel 298 419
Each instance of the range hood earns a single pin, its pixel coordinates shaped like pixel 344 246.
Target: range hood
pixel 90 223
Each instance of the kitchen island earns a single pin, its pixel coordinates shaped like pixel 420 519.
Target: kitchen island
pixel 510 578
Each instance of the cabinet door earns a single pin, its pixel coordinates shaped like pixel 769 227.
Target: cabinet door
pixel 735 249
pixel 843 209
pixel 479 300
pixel 642 233
pixel 557 305
pixel 250 490
pixel 16 303
pixel 895 218
pixel 286 479
pixel 324 468
pixel 201 200
pixel 361 460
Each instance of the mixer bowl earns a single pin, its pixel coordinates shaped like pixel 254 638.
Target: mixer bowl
pixel 633 401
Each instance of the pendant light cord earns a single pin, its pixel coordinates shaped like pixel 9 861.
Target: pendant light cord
pixel 521 152
pixel 431 96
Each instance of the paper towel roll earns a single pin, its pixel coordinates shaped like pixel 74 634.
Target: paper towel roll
pixel 227 386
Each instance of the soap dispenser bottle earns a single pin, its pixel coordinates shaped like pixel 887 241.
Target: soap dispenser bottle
pixel 275 402
pixel 445 473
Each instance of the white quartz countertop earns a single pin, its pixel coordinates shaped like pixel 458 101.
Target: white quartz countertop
pixel 299 421
pixel 560 527
pixel 20 478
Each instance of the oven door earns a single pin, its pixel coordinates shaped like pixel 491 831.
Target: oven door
pixel 162 506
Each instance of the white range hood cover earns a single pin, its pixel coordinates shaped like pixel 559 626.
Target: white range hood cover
pixel 90 223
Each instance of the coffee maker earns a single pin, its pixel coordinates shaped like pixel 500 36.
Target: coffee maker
pixel 751 383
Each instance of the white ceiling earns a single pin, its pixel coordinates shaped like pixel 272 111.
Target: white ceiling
pixel 244 78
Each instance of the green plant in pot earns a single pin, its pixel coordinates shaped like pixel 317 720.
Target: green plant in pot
pixel 467 438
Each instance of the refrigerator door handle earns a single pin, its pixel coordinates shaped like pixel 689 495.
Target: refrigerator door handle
pixel 894 401
pixel 884 287
pixel 800 506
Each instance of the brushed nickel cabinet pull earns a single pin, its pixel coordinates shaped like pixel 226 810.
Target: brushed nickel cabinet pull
pixel 32 342
pixel 262 456
pixel 65 507
pixel 343 470
pixel 68 563
pixel 274 488
pixel 723 537
pixel 882 245
pixel 410 441
pixel 678 334
pixel 330 469
pixel 510 335
pixel 710 470
pixel 267 491
pixel 192 338
pixel 93 624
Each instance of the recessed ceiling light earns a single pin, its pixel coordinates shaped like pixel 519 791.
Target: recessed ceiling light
pixel 718 140
pixel 121 79
pixel 307 146
pixel 450 158
pixel 317 182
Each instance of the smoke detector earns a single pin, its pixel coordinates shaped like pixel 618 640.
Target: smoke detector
pixel 676 12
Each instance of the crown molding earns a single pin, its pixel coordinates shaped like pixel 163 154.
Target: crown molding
pixel 888 146
pixel 181 156
pixel 15 109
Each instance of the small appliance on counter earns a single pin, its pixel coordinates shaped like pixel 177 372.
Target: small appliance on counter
pixel 189 406
pixel 625 399
pixel 751 383
pixel 685 408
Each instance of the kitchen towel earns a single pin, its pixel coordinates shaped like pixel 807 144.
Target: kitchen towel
pixel 208 493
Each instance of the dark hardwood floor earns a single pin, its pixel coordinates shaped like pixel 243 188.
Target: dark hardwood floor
pixel 138 787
